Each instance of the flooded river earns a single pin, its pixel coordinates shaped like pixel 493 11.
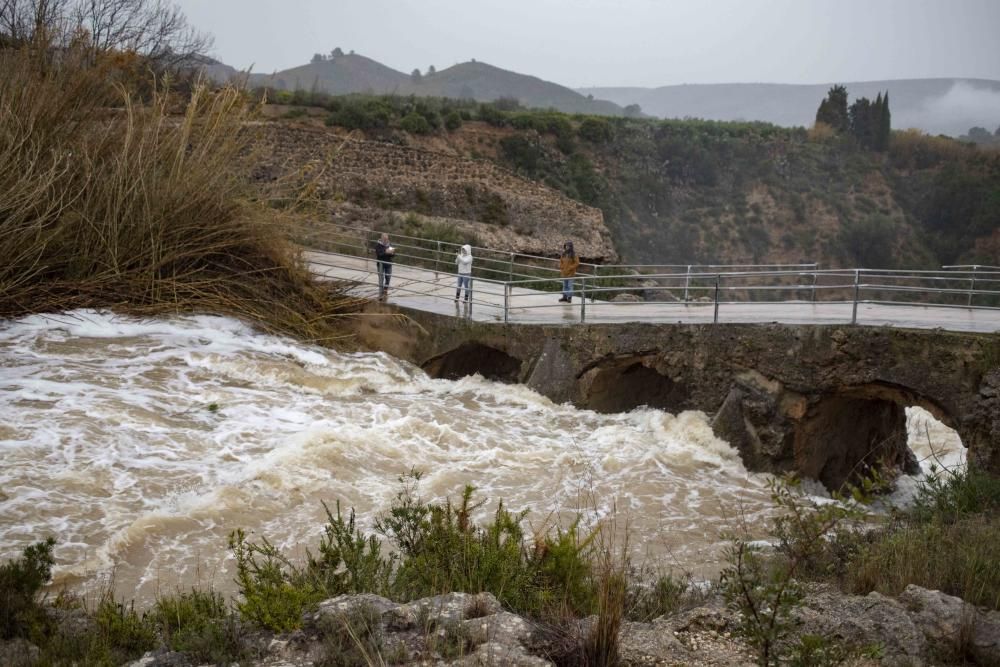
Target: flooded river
pixel 140 444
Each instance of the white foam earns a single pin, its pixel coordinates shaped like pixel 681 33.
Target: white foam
pixel 142 443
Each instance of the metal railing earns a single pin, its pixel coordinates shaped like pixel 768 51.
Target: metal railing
pixel 505 265
pixel 513 286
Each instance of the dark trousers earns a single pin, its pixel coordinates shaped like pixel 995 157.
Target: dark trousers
pixel 384 274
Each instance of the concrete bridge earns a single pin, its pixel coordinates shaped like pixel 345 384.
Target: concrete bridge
pixel 794 386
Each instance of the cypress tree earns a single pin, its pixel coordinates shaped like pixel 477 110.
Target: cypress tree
pixel 863 124
pixel 884 124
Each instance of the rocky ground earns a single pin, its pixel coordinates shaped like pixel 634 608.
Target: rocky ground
pixel 919 627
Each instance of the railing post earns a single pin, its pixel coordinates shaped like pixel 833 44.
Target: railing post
pixel 510 268
pixel 506 303
pixel 715 316
pixel 437 259
pixel 857 291
pixel 972 287
pixel 687 282
pixel 583 299
pixel 815 277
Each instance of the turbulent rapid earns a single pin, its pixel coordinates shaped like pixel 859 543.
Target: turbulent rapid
pixel 141 444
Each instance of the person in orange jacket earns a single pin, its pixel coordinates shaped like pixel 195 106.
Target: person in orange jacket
pixel 568 264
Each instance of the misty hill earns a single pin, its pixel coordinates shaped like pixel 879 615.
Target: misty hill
pixel 484 83
pixel 352 73
pixel 339 76
pixel 937 106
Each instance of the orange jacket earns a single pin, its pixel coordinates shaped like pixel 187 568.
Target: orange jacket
pixel 568 265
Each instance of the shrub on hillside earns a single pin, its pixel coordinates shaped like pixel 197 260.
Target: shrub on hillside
pixel 595 130
pixel 453 121
pixel 414 123
pixel 869 242
pixel 522 153
pixel 491 115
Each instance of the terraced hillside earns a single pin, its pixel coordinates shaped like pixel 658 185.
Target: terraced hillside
pixel 670 191
pixel 373 184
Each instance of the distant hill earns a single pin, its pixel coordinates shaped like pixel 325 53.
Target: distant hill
pixel 485 83
pixel 339 76
pixel 353 73
pixel 937 106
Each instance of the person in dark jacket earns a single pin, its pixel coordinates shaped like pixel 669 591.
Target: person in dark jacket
pixel 384 253
pixel 568 264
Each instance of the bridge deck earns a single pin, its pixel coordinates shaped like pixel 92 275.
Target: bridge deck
pixel 427 290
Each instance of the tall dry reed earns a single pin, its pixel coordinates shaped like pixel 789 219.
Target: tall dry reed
pixel 145 207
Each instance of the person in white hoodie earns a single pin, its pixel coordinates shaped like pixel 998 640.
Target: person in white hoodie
pixel 463 260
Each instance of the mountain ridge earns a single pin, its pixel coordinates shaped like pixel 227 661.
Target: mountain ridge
pixel 937 105
pixel 354 73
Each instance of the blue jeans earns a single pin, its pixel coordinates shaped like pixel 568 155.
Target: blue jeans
pixel 567 287
pixel 384 274
pixel 464 279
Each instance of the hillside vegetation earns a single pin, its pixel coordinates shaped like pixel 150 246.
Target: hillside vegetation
pixel 701 191
pixel 116 192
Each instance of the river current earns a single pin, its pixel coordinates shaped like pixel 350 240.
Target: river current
pixel 140 444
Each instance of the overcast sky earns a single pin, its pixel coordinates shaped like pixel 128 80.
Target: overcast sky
pixel 622 42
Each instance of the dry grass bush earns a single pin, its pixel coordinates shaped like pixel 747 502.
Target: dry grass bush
pixel 109 202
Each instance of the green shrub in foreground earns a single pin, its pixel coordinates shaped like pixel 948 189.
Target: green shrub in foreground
pixel 201 624
pixel 21 580
pixel 436 548
pixel 957 558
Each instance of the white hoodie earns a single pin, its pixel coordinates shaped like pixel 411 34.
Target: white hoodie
pixel 464 260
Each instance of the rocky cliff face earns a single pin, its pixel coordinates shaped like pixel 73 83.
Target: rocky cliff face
pixel 363 180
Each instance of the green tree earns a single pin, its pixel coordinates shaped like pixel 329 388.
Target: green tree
pixel 833 109
pixel 864 120
pixel 416 77
pixel 885 124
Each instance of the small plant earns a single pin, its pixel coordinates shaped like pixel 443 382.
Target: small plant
pixel 816 651
pixel 665 595
pixel 766 590
pixel 275 592
pixel 21 580
pixel 123 630
pixel 201 624
pixel 351 640
pixel 349 561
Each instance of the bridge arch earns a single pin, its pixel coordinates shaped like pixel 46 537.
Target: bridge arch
pixel 832 434
pixel 473 357
pixel 626 382
pixel 845 430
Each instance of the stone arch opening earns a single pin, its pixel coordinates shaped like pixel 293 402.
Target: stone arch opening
pixel 848 430
pixel 471 358
pixel 628 383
